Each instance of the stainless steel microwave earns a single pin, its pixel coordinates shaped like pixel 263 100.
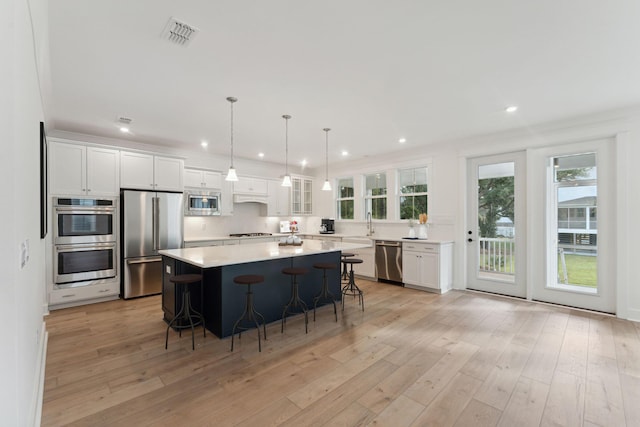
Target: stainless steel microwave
pixel 201 203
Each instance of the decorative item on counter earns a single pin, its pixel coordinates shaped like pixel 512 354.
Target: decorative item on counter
pixel 422 232
pixel 412 230
pixel 291 240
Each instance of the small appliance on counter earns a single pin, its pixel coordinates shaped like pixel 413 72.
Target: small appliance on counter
pixel 327 226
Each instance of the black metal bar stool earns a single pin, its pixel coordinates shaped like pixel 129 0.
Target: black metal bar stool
pixel 325 293
pixel 250 314
pixel 345 271
pixel 295 301
pixel 351 288
pixel 186 311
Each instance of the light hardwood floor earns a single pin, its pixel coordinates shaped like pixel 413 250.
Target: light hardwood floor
pixel 411 359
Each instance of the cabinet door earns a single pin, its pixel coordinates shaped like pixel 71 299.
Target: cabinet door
pixel 193 178
pixel 246 185
pixel 429 270
pixel 226 198
pixel 296 196
pixel 136 170
pixel 411 267
pixel 307 197
pixel 67 169
pixel 168 173
pixel 103 171
pixel 368 266
pixel 212 180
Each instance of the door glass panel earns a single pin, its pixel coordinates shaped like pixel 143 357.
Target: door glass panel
pixel 496 221
pixel 576 225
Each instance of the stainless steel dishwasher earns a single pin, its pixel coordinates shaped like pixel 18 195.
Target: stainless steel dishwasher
pixel 389 260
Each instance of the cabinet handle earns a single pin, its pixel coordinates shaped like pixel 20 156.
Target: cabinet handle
pixel 68 295
pixel 103 290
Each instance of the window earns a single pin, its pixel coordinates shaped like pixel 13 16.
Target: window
pixel 345 200
pixel 413 192
pixel 376 195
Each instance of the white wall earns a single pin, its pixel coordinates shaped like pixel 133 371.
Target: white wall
pixel 21 289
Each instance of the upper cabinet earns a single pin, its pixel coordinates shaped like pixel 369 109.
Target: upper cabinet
pixel 83 170
pixel 198 178
pixel 278 203
pixel 146 171
pixel 301 196
pixel 248 185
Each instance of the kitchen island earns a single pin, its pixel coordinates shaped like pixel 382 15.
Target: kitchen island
pixel 222 301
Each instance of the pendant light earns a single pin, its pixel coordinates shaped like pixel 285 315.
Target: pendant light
pixel 286 182
pixel 231 175
pixel 327 185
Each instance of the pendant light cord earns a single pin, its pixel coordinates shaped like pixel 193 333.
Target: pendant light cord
pixel 326 131
pixel 286 143
pixel 231 100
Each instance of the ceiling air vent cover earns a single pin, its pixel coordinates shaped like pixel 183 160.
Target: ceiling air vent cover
pixel 178 32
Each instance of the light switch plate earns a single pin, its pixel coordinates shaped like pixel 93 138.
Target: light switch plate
pixel 168 268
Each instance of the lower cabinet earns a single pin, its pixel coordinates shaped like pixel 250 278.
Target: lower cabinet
pixel 427 266
pixel 61 298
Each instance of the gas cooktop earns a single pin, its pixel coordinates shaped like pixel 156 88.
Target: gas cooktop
pixel 249 234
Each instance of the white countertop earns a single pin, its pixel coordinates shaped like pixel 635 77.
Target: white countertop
pixel 336 235
pixel 218 256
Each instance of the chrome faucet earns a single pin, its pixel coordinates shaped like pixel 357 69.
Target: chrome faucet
pixel 369 224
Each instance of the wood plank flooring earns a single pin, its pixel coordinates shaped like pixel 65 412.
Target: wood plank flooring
pixel 411 359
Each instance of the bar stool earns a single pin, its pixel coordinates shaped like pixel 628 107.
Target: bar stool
pixel 345 272
pixel 325 293
pixel 250 314
pixel 351 288
pixel 295 301
pixel 186 311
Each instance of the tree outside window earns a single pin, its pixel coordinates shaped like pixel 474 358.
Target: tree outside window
pixel 413 192
pixel 376 195
pixel 345 199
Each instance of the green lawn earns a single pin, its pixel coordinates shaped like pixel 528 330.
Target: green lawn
pixel 581 270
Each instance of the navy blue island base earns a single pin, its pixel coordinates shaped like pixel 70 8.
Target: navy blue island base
pixel 223 301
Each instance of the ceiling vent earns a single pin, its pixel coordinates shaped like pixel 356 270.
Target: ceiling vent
pixel 124 120
pixel 178 32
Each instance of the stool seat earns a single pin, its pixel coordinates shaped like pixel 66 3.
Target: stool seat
pixel 186 311
pixel 185 278
pixel 351 288
pixel 294 271
pixel 248 279
pixel 346 254
pixel 325 266
pixel 249 315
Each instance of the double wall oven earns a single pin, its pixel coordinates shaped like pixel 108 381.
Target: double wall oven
pixel 85 244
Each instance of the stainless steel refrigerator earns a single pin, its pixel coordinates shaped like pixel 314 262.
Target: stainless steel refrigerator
pixel 150 221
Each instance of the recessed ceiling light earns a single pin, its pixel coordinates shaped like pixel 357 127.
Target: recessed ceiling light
pixel 204 144
pixel 304 162
pixel 402 140
pixel 124 129
pixel 511 109
pixel 345 153
pixel 261 155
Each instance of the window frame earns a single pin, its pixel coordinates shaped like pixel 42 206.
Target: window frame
pixel 339 199
pixel 400 194
pixel 369 199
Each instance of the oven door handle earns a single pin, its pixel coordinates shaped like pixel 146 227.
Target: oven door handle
pixel 144 260
pixel 86 246
pixel 84 210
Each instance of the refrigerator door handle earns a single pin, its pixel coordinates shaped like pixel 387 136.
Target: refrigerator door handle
pixel 143 260
pixel 154 222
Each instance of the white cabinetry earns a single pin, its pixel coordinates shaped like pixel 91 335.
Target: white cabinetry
pixel 278 203
pixel 75 296
pixel 197 178
pixel 146 171
pixel 203 243
pixel 226 198
pixel 83 170
pixel 367 255
pixel 248 185
pixel 301 196
pixel 427 266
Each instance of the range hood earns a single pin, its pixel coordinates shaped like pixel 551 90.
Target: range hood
pixel 250 198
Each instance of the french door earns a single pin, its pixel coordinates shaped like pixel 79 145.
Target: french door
pixel 496 221
pixel 572 203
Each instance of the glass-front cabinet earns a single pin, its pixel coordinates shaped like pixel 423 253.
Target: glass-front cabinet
pixel 301 196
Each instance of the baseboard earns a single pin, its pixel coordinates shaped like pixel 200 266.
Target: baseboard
pixel 35 414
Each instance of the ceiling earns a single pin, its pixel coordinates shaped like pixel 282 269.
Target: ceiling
pixel 373 71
